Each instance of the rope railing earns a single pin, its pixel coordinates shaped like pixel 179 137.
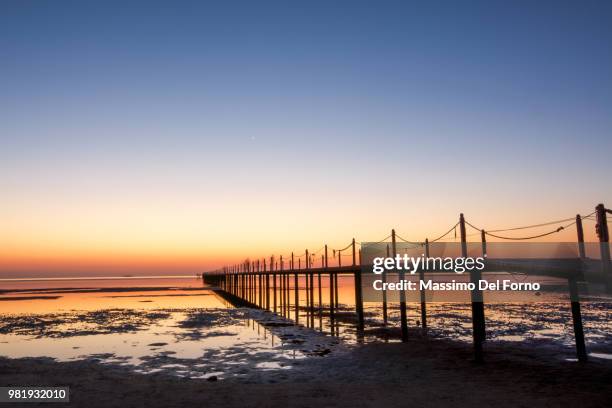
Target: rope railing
pixel 397 236
pixel 445 234
pixel 556 230
pixel 382 240
pixel 340 250
pixel 491 233
pixel 589 216
pixel 534 225
pixel 559 229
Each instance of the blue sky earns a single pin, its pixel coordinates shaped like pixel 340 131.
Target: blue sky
pixel 496 108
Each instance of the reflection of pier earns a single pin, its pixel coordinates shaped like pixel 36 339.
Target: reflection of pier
pixel 273 286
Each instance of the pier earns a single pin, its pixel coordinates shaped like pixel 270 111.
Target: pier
pixel 275 283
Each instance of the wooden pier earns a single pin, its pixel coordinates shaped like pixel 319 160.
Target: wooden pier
pixel 268 283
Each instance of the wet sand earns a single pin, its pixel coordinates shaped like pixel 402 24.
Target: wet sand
pixel 419 373
pixel 232 345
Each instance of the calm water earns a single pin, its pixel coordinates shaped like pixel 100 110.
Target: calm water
pixel 174 325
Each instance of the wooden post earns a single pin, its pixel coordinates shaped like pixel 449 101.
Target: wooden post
pixel 259 292
pixel 267 286
pixel 319 284
pixel 604 245
pixel 306 287
pixel 384 293
pixel 287 295
pixel 478 319
pixel 336 279
pixel 273 270
pixel 325 264
pixel 310 276
pixel 483 239
pixel 575 297
pixel 580 232
pixel 331 292
pixel 282 288
pixel 296 285
pixel 577 319
pixel 358 293
pixel 248 282
pixel 260 283
pixel 402 294
pixel 288 298
pixel 243 282
pixel 253 282
pixel 422 291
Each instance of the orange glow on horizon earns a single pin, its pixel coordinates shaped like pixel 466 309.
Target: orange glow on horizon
pixel 40 258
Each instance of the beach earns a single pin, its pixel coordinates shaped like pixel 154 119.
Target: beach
pixel 175 342
pixel 420 373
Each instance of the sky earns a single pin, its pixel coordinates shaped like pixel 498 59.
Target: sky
pixel 175 137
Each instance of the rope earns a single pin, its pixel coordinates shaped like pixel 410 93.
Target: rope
pixel 383 240
pixel 445 234
pixel 408 242
pixel 346 247
pixel 559 229
pixel 475 227
pixel 454 228
pixel 535 225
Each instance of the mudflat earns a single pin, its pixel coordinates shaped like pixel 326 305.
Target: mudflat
pixel 420 373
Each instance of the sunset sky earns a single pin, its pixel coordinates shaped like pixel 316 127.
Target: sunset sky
pixel 173 137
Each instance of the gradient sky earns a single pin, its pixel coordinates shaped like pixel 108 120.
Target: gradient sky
pixel 171 137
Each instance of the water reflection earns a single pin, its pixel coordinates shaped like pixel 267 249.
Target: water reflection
pixel 547 321
pixel 194 336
